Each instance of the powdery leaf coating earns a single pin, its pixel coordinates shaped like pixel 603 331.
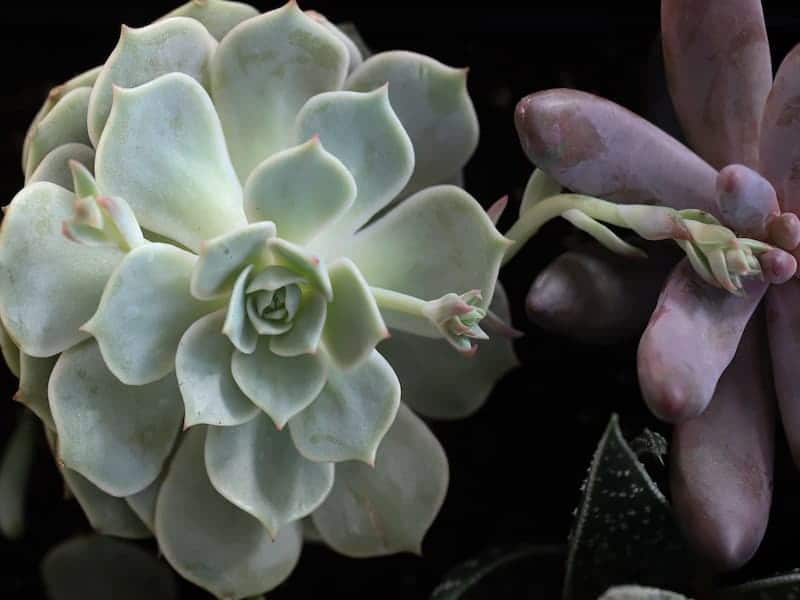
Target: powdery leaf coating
pixel 388 508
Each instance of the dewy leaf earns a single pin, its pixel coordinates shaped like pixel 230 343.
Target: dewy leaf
pixel 354 324
pixel 64 124
pixel 432 103
pixel 87 567
pixel 280 386
pixel 208 540
pixel 374 511
pixel 115 435
pixel 33 381
pixel 624 529
pixel 261 75
pixel 351 415
pixel 301 190
pixel 106 514
pixel 438 241
pixel 49 286
pixel 222 258
pixel 258 469
pixel 362 131
pixel 145 309
pixel 163 151
pixel 15 470
pixel 218 16
pixel 55 166
pixel 178 45
pixel 203 367
pixel 780 587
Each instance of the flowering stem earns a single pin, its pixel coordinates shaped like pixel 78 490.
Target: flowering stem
pixel 403 303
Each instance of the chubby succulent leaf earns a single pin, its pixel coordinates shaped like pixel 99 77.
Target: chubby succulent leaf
pixel 95 566
pixel 263 73
pixel 303 262
pixel 144 503
pixel 301 190
pixel 177 45
pixel 351 415
pixel 306 331
pixel 11 354
pixel 436 242
pixel 354 54
pixel 237 325
pixel 280 386
pixel 115 435
pixel 163 151
pixel 211 542
pixel 15 469
pixel 354 324
pixel 151 290
pixel 388 508
pixel 34 377
pixel 637 592
pixel 222 259
pixel 362 131
pixel 258 469
pixel 442 384
pixel 49 286
pixel 432 103
pixel 64 124
pixel 218 16
pixel 106 514
pixel 203 368
pixel 55 166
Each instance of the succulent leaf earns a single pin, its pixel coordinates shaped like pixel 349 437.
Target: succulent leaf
pixel 115 435
pixel 237 325
pixel 38 265
pixel 388 508
pixel 211 542
pixel 303 262
pixel 55 166
pixel 10 351
pixel 257 468
pixel 306 332
pixel 15 470
pixel 301 190
pixel 351 415
pixel 34 375
pixel 264 72
pixel 280 386
pixel 539 186
pixel 354 54
pixel 203 368
pixel 218 16
pixel 144 503
pixel 163 151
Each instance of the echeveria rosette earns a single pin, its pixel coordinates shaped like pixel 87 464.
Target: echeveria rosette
pixel 703 359
pixel 208 241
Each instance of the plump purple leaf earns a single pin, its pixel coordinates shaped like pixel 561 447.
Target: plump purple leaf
pixel 690 340
pixel 593 146
pixel 746 201
pixel 721 465
pixel 719 74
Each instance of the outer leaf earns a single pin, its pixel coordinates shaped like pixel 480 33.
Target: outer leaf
pixel 438 241
pixel 353 325
pixel 301 190
pixel 11 353
pixel 351 415
pixel 388 508
pixel 261 75
pixel 99 567
pixel 150 290
pixel 203 368
pixel 163 151
pixel 117 436
pixel 363 132
pixel 354 55
pixel 237 325
pixel 218 16
pixel 636 592
pixel 779 587
pixel 64 124
pixel 440 383
pixel 222 258
pixel 624 528
pixel 306 331
pixel 259 470
pixel 144 503
pixel 209 541
pixel 33 381
pixel 280 386
pixel 173 45
pixel 55 166
pixel 432 103
pixel 49 286
pixel 15 470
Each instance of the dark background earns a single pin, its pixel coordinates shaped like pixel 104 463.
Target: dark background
pixel 516 465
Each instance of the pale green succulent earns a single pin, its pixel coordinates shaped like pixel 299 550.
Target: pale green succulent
pixel 207 240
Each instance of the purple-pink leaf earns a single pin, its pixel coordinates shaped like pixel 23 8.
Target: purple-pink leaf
pixel 690 340
pixel 746 201
pixel 721 462
pixel 593 146
pixel 780 131
pixel 719 74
